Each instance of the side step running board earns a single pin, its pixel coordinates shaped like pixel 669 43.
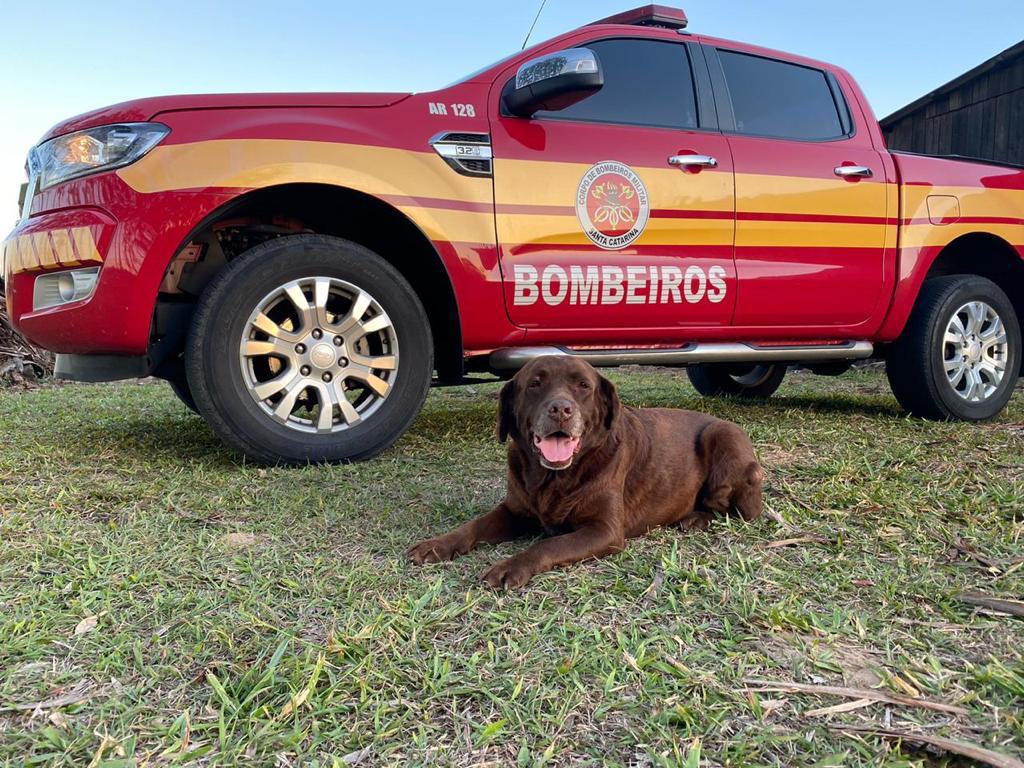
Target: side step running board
pixel 513 358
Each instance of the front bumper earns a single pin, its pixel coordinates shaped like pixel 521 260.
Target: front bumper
pixel 99 221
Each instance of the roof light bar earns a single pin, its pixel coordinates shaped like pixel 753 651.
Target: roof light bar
pixel 649 16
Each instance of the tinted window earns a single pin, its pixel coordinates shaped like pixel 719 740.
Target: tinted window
pixel 645 83
pixel 772 98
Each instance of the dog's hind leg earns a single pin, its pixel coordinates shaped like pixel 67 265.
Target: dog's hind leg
pixel 734 477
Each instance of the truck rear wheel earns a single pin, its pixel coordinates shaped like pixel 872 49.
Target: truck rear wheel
pixel 959 355
pixel 309 349
pixel 745 380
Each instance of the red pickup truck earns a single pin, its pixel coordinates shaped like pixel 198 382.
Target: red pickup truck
pixel 301 267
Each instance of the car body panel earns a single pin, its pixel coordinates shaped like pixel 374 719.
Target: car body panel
pixel 805 255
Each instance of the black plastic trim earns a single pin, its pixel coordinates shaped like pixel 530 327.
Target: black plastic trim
pixel 723 99
pixel 95 368
pixel 707 115
pixel 842 106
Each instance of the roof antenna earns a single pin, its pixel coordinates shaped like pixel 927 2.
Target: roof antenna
pixel 542 2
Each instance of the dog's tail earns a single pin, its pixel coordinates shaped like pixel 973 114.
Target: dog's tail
pixel 734 476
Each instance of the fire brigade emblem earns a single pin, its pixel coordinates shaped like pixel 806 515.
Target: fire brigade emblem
pixel 612 205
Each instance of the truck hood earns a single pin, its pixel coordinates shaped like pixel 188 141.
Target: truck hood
pixel 140 110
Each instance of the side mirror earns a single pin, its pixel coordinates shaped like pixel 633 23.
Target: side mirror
pixel 554 81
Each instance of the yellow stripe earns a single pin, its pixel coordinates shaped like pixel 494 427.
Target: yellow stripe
pixel 51 248
pixel 389 172
pixel 85 246
pixel 553 183
pixel 791 194
pixel 255 163
pixel 802 234
pixel 42 253
pixel 456 226
pixel 61 241
pixel 566 230
pixel 921 235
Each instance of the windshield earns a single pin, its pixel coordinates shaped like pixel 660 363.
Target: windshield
pixel 480 71
pixel 526 51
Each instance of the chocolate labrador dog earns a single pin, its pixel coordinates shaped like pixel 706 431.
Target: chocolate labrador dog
pixel 591 473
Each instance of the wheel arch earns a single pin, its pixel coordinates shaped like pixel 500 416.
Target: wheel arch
pixel 310 207
pixel 975 253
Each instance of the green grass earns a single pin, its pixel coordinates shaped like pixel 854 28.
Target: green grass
pixel 267 616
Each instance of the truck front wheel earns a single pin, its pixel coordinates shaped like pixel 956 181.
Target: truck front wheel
pixel 309 349
pixel 744 380
pixel 959 355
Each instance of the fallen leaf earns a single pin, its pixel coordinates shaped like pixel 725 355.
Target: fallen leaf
pixel 58 719
pixel 357 757
pixel 904 686
pixel 88 624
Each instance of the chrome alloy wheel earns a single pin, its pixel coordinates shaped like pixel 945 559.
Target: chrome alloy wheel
pixel 319 355
pixel 752 376
pixel 974 351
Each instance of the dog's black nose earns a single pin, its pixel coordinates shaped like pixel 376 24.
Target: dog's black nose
pixel 561 410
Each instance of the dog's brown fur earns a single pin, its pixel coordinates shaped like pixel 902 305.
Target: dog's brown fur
pixel 634 469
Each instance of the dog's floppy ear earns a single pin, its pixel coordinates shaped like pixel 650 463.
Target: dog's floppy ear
pixel 612 405
pixel 506 412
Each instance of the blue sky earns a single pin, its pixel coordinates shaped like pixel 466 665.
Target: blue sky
pixel 61 58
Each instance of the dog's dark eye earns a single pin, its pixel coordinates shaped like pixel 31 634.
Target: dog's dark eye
pixel 584 384
pixel 534 383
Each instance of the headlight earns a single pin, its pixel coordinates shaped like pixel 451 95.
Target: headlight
pixel 96 149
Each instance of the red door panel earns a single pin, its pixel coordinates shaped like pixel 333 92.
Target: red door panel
pixel 598 232
pixel 810 246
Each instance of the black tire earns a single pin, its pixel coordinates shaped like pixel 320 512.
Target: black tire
pixel 215 373
pixel 743 380
pixel 915 361
pixel 181 390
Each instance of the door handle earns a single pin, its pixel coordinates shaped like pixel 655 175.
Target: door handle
pixel 700 161
pixel 853 172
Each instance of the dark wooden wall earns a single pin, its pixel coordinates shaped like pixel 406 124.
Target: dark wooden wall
pixel 982 117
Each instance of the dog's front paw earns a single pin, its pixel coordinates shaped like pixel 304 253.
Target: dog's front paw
pixel 435 550
pixel 509 574
pixel 698 520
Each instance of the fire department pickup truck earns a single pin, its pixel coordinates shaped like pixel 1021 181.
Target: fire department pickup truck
pixel 301 267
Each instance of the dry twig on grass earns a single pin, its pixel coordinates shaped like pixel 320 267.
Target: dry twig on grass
pixel 775 686
pixel 16 353
pixel 973 751
pixel 79 693
pixel 1012 607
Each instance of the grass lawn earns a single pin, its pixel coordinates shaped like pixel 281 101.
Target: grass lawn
pixel 162 604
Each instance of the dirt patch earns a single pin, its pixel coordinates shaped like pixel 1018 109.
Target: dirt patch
pixel 777 456
pixel 239 540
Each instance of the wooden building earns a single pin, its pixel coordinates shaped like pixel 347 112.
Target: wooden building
pixel 979 114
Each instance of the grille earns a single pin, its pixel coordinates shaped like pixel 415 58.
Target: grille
pixel 480 166
pixel 465 138
pixel 466 153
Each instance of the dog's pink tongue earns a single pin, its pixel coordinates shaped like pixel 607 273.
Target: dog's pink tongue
pixel 558 449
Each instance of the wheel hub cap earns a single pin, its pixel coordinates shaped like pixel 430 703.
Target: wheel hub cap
pixel 974 351
pixel 319 355
pixel 323 356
